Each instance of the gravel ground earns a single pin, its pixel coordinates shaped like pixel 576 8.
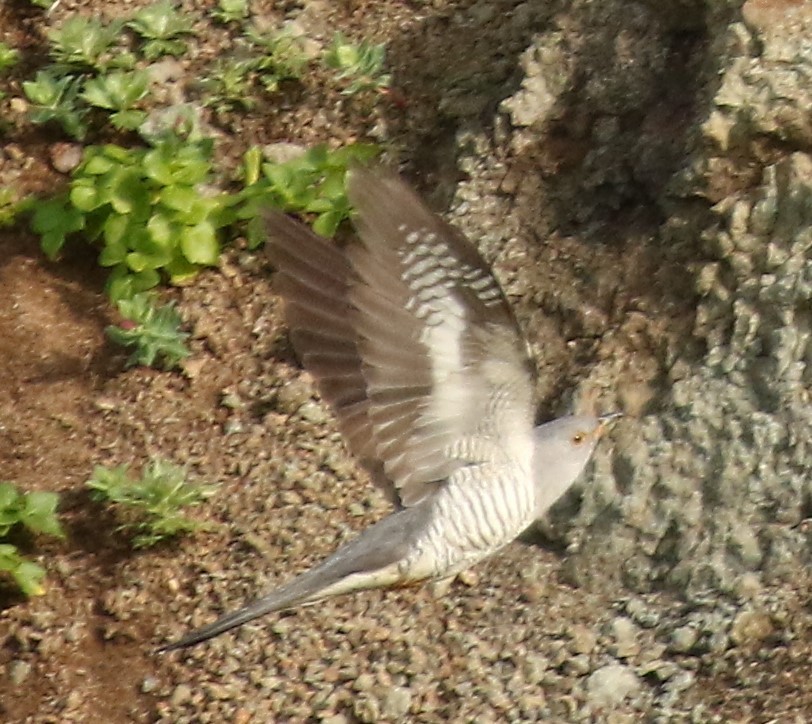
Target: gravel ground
pixel 540 128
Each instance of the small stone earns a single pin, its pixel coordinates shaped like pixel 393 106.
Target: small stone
pixel 181 694
pixel 282 152
pixel 292 396
pixel 18 105
pixel 583 638
pixel 73 633
pixel 610 685
pixel 533 667
pixel 73 700
pixel 149 684
pixel 65 157
pixel 106 404
pixel 683 639
pixel 750 627
pixel 365 682
pixel 578 665
pixel 624 633
pixel 367 709
pixel 192 367
pixel 231 400
pixel 314 412
pixel 533 592
pixel 18 671
pixel 397 703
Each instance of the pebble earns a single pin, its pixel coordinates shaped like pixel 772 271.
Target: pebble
pixel 683 639
pixel 397 703
pixel 584 639
pixel 750 627
pixel 65 157
pixel 578 665
pixel 181 694
pixel 624 632
pixel 149 684
pixel 533 668
pixel 367 709
pixel 610 685
pixel 18 671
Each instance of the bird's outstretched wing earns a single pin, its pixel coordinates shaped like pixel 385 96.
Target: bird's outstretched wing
pixel 409 339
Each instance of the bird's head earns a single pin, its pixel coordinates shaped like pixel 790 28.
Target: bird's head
pixel 562 449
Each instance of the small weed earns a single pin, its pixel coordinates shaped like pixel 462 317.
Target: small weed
pixel 119 92
pixel 153 330
pixel 35 511
pixel 86 44
pixel 152 505
pixel 230 11
pixel 230 85
pixel 160 26
pixel 55 98
pixel 8 57
pixel 262 63
pixel 361 64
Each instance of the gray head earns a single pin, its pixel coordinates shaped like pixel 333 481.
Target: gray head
pixel 562 449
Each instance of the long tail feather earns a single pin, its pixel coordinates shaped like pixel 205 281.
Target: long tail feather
pixel 370 561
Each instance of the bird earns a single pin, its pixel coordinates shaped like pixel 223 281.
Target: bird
pixel 412 343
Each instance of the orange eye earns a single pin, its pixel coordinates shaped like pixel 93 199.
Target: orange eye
pixel 578 438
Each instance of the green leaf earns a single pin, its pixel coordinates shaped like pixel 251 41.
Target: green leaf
pixel 39 513
pixel 327 223
pixel 112 254
pixel 51 244
pixel 161 229
pixel 128 192
pixel 180 198
pixel 199 244
pixel 84 197
pixel 180 270
pixel 29 577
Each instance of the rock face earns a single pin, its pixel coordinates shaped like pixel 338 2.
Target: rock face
pixel 673 144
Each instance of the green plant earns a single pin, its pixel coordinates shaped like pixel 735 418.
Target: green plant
pixel 281 56
pixel 148 208
pixel 35 511
pixel 312 183
pixel 264 61
pixel 86 44
pixel 55 98
pixel 151 506
pixel 361 64
pixel 230 85
pixel 8 57
pixel 119 92
pixel 11 206
pixel 230 11
pixel 153 330
pixel 160 25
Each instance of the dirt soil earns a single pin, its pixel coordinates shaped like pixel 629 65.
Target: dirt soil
pixel 512 640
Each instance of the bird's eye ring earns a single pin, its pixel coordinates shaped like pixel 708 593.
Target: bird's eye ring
pixel 578 438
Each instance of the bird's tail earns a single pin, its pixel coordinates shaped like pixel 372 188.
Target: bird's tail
pixel 372 560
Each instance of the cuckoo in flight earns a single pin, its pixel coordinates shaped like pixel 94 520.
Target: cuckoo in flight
pixel 412 343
